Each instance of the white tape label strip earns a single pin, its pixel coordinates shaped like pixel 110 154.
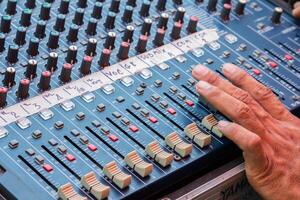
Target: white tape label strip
pixel 106 76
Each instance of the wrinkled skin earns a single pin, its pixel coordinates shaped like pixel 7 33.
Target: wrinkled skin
pixel 266 132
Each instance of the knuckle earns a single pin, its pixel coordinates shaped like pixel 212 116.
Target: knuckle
pixel 262 92
pixel 243 111
pixel 254 142
pixel 239 77
pixel 213 78
pixel 241 95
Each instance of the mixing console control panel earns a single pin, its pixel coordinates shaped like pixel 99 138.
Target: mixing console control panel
pixel 97 98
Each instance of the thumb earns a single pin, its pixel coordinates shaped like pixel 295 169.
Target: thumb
pixel 249 142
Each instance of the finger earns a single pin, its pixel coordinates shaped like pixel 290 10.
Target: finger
pixel 249 142
pixel 296 11
pixel 263 95
pixel 229 106
pixel 203 73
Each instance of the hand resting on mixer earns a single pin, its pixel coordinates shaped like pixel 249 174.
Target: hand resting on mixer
pixel 262 127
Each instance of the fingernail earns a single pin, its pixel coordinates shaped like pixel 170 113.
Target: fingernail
pixel 202 85
pixel 223 124
pixel 201 70
pixel 229 68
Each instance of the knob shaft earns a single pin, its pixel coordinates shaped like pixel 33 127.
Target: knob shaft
pixel 31 69
pixel 45 80
pixel 85 67
pixel 65 74
pixel 9 77
pixel 3 96
pixel 91 47
pixel 12 54
pixel 23 89
pixel 51 65
pixel 104 58
pixel 276 17
pixel 124 51
pixel 26 17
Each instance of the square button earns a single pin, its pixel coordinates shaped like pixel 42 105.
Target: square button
pixel 113 138
pixel 133 128
pixel 70 157
pixel 92 147
pixel 47 167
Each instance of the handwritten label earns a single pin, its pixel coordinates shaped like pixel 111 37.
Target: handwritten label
pixel 106 76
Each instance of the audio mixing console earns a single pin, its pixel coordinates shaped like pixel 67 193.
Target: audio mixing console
pixel 97 98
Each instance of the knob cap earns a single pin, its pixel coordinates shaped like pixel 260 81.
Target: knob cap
pixel 97 10
pixel 30 4
pixel 163 21
pixel 91 47
pixel 114 6
pixel 110 20
pixel 110 40
pixel 33 47
pixel 40 29
pixel 179 16
pixel 3 96
pixel 123 51
pixel 23 89
pixel 127 15
pixel 176 30
pixel 26 17
pixel 212 5
pixel 53 40
pixel 2 42
pixel 60 23
pixel 9 77
pixel 240 7
pixel 161 5
pixel 276 17
pixel 5 24
pixel 225 13
pixel 78 16
pixel 45 11
pixel 45 80
pixel 128 34
pixel 73 33
pixel 12 54
pixel 65 73
pixel 11 7
pixel 64 7
pixel 82 3
pixel 144 11
pixel 72 55
pixel 159 37
pixel 192 25
pixel 51 65
pixel 104 58
pixel 20 36
pixel 146 27
pixel 85 67
pixel 92 27
pixel 31 69
pixel 142 44
pixel 131 3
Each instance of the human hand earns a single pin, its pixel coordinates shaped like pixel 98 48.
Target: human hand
pixel 266 132
pixel 296 11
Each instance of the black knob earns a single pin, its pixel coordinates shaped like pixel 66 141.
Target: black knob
pixel 72 54
pixel 9 77
pixel 92 27
pixel 144 11
pixel 30 4
pixel 12 54
pixel 176 30
pixel 45 11
pixel 33 47
pixel 146 27
pixel 142 44
pixel 78 17
pixel 276 17
pixel 163 21
pixel 128 34
pixel 159 37
pixel 23 89
pixel 212 5
pixel 20 36
pixel 131 3
pixel 85 67
pixel 127 15
pixel 82 3
pixel 110 20
pixel 123 51
pixel 65 73
pixel 177 2
pixel 40 29
pixel 11 7
pixel 45 80
pixel 5 24
pixel 114 6
pixel 192 25
pixel 2 42
pixel 97 10
pixel 240 7
pixel 3 96
pixel 31 69
pixel 110 40
pixel 161 5
pixel 64 7
pixel 226 1
pixel 91 47
pixel 179 16
pixel 60 23
pixel 225 13
pixel 26 17
pixel 73 33
pixel 51 65
pixel 104 58
pixel 53 40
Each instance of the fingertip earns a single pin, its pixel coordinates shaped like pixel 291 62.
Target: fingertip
pixel 200 71
pixel 203 86
pixel 229 68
